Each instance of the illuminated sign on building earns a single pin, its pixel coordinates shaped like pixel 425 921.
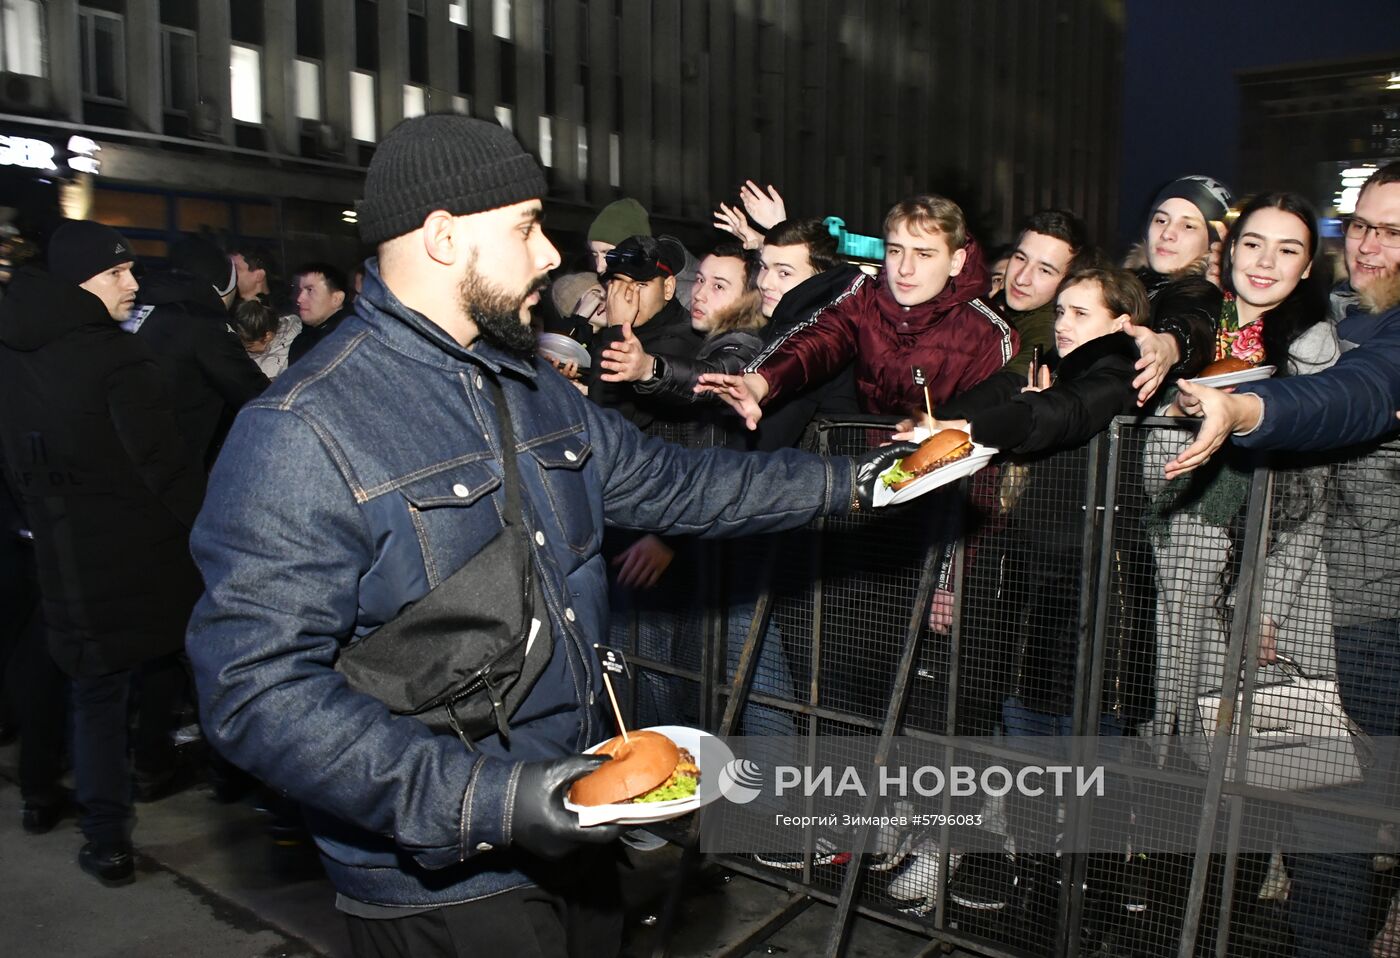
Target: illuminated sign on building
pixel 30 154
pixel 79 156
pixel 1351 181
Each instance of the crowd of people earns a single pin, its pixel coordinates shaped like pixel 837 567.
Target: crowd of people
pixel 251 496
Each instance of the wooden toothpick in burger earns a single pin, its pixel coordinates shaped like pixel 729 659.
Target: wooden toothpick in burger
pixel 612 661
pixel 921 380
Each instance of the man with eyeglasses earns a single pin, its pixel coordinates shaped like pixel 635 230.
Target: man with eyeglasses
pixel 1352 403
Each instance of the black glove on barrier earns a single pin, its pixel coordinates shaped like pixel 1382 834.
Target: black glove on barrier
pixel 539 821
pixel 868 467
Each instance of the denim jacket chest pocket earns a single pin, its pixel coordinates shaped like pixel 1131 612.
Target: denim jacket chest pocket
pixel 560 460
pixel 452 515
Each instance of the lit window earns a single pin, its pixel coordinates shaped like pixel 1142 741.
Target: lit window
pixel 362 125
pixel 459 12
pixel 546 141
pixel 500 18
pixel 614 160
pixel 23 28
pixel 506 117
pixel 245 83
pixel 308 80
pixel 414 103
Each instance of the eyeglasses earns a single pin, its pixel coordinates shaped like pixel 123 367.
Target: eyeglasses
pixel 1387 236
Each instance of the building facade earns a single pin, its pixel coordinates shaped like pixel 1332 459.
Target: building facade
pixel 1320 126
pixel 256 118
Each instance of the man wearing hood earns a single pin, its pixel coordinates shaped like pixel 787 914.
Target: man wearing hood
pixel 182 313
pixel 924 313
pixel 110 491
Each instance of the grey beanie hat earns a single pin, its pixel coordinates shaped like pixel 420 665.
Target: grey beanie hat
pixel 1212 197
pixel 443 162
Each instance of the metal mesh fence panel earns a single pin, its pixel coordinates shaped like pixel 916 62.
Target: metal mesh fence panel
pixel 1092 612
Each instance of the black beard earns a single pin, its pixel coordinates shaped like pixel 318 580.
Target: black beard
pixel 497 314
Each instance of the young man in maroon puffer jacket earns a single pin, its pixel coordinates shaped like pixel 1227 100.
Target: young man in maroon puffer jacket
pixel 923 312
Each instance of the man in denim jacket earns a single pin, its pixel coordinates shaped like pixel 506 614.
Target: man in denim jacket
pixel 383 447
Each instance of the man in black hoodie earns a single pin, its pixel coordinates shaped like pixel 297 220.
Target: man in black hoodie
pixel 110 491
pixel 182 314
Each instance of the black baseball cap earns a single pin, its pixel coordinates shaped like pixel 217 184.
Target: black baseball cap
pixel 644 258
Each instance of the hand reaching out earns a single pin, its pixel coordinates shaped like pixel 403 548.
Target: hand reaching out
pixel 626 361
pixel 743 393
pixel 641 565
pixel 765 209
pixel 731 219
pixel 1159 352
pixel 904 431
pixel 1224 414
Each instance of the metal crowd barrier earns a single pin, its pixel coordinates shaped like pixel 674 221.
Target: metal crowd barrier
pixel 1211 842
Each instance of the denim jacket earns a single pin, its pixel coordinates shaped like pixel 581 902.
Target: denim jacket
pixel 362 478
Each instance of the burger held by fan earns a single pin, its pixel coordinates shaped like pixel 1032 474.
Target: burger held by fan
pixel 1070 398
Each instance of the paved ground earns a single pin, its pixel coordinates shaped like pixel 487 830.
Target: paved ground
pixel 210 884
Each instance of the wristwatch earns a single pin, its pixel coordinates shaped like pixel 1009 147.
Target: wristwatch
pixel 658 366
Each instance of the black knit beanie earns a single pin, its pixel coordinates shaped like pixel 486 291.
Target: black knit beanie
pixel 81 249
pixel 443 162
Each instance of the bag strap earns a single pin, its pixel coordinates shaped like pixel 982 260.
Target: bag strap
pixel 515 522
pixel 514 514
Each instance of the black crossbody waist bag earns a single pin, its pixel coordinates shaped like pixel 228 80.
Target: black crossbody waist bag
pixel 464 657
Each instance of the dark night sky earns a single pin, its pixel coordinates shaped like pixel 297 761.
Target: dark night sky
pixel 1180 101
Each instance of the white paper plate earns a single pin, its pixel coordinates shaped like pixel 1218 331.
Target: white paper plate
pixel 979 457
pixel 710 753
pixel 1236 378
pixel 562 349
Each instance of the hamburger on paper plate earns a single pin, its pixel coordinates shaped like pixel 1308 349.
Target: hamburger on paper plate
pixel 943 448
pixel 1221 367
pixel 647 768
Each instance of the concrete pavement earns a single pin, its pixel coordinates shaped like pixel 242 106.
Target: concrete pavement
pixel 210 884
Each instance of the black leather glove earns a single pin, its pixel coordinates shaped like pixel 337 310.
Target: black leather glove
pixel 868 467
pixel 539 821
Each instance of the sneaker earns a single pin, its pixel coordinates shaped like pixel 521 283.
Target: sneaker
pixel 1275 885
pixel 915 890
pixel 892 846
pixel 1389 855
pixel 984 882
pixel 186 735
pixel 1133 887
pixel 825 853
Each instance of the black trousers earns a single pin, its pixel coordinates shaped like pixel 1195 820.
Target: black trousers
pixel 576 913
pixel 35 688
